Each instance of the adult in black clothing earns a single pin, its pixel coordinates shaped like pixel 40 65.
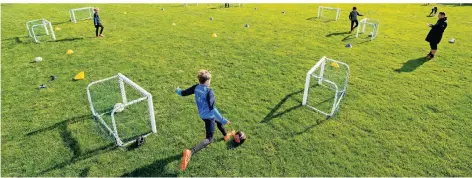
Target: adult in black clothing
pixel 226 5
pixel 436 33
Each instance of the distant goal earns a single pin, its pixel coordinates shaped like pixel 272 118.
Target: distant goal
pixel 321 9
pixel 83 13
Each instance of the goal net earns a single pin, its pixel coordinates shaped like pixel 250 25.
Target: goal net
pixel 40 30
pixel 123 108
pixel 81 14
pixel 368 27
pixel 329 12
pixel 325 86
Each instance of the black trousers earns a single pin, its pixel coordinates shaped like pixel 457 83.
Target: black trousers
pixel 433 12
pixel 96 29
pixel 226 4
pixel 209 129
pixel 352 23
pixel 434 46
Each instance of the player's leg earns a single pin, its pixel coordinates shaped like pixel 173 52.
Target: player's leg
pixel 352 23
pixel 101 30
pixel 434 48
pixel 357 23
pixel 96 30
pixel 226 136
pixel 209 129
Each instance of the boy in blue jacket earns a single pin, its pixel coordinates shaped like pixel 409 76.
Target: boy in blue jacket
pixel 97 23
pixel 205 99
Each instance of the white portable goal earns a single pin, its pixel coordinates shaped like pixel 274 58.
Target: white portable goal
pixel 123 108
pixel 326 76
pixel 38 28
pixel 321 8
pixel 83 13
pixel 374 24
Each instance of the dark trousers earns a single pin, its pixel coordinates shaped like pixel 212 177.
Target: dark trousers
pixel 96 29
pixel 226 4
pixel 433 12
pixel 433 45
pixel 209 129
pixel 352 23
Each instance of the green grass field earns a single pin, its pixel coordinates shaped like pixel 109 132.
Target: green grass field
pixel 402 116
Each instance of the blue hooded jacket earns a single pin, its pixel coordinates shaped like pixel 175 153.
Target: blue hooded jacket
pixel 205 99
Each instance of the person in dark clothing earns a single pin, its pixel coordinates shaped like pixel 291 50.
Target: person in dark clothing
pixel 436 33
pixel 226 5
pixel 434 10
pixel 353 17
pixel 97 22
pixel 205 99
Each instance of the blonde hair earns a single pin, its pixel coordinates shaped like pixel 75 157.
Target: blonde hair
pixel 96 9
pixel 203 76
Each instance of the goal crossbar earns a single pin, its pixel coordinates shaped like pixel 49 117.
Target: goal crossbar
pixel 339 92
pixel 320 11
pixel 146 96
pixel 73 17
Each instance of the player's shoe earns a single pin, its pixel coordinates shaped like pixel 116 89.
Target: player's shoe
pixel 228 135
pixel 185 159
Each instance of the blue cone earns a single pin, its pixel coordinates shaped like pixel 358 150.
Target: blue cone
pixel 348 46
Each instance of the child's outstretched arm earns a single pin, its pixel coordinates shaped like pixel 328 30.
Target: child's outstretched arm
pixel 211 104
pixel 186 92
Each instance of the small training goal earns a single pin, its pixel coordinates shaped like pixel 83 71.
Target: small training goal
pixel 39 28
pixel 325 86
pixel 123 108
pixel 321 9
pixel 83 13
pixel 372 28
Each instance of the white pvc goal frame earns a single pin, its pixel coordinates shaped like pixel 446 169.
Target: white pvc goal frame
pixel 339 92
pixel 72 14
pixel 145 96
pixel 320 11
pixel 41 23
pixel 371 22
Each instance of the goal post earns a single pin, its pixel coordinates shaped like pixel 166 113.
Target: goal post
pixel 83 13
pixel 35 26
pixel 120 105
pixel 321 8
pixel 333 77
pixel 366 22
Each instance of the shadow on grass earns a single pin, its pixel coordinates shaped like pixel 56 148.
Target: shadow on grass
pixel 155 169
pixel 312 18
pixel 16 39
pixel 272 114
pixel 349 37
pixel 84 172
pixel 411 65
pixel 63 22
pixel 72 143
pixel 232 145
pixel 336 34
pixel 318 123
pixel 69 39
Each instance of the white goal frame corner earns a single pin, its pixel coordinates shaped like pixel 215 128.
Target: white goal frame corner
pixel 73 19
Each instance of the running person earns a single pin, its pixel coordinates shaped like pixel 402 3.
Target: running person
pixel 353 17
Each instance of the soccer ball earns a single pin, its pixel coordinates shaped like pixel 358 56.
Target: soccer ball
pixel 119 107
pixel 452 40
pixel 239 137
pixel 38 59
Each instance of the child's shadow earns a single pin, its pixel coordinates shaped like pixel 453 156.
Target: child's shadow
pixel 231 145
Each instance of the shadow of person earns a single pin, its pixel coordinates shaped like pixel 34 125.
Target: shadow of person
pixel 336 33
pixel 155 169
pixel 411 65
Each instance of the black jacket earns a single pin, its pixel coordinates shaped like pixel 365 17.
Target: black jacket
pixel 437 30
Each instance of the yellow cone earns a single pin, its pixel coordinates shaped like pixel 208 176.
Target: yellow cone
pixel 69 51
pixel 214 35
pixel 124 13
pixel 57 29
pixel 79 76
pixel 335 65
